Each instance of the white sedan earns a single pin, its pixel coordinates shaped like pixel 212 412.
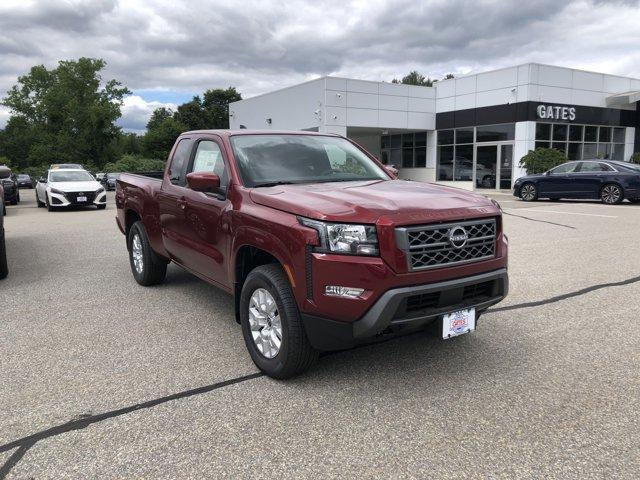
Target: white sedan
pixel 69 187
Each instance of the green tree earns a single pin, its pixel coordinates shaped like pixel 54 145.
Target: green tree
pixel 416 78
pixel 209 112
pixel 542 159
pixel 68 113
pixel 162 131
pixel 635 158
pixel 135 163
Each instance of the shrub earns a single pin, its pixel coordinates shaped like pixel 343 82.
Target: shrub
pixel 635 158
pixel 542 159
pixel 134 163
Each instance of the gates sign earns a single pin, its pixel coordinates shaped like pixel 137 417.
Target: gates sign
pixel 556 112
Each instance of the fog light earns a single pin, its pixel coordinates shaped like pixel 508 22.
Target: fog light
pixel 348 292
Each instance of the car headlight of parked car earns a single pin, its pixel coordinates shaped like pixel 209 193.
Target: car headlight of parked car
pixel 99 191
pixel 344 238
pixel 59 192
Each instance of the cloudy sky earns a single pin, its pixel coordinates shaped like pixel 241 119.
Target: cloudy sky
pixel 168 51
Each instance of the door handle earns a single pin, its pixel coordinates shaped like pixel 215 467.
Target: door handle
pixel 182 203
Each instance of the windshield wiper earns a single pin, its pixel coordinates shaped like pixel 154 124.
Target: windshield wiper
pixel 273 184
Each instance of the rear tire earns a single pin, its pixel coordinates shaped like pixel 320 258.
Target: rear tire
pixel 4 269
pixel 147 267
pixel 294 354
pixel 529 192
pixel 611 194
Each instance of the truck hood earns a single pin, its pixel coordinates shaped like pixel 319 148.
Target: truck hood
pixel 393 202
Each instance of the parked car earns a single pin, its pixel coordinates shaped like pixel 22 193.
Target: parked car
pixel 321 246
pixel 4 270
pixel 10 185
pixel 24 181
pixel 100 176
pixel 610 181
pixel 69 187
pixel 110 180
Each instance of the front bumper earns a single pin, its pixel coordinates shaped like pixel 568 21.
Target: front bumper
pixel 69 199
pixel 408 308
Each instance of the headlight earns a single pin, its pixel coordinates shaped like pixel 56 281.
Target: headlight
pixel 59 192
pixel 99 191
pixel 344 238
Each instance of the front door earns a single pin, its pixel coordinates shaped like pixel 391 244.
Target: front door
pixel 486 166
pixel 493 167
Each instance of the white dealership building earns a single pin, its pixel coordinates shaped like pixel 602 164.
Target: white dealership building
pixel 469 131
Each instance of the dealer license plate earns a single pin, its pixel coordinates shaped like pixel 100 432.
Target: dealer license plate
pixel 82 199
pixel 458 323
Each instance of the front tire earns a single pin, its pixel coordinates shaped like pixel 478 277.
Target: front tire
pixel 147 267
pixel 529 192
pixel 46 202
pixel 38 202
pixel 611 194
pixel 271 324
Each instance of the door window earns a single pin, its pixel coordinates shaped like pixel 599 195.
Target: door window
pixel 178 162
pixel 594 167
pixel 208 158
pixel 565 168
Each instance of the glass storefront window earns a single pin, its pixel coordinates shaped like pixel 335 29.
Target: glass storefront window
pixel 445 163
pixel 574 151
pixel 575 133
pixel 590 134
pixel 496 133
pixel 618 135
pixel 605 134
pixel 543 131
pixel 590 151
pixel 463 169
pixel 580 142
pixel 406 150
pixel 560 132
pixel 464 135
pixel 445 137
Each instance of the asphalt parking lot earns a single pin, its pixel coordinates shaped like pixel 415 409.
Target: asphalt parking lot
pixel 102 378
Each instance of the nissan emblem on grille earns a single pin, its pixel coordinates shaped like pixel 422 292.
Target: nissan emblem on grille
pixel 458 237
pixel 437 245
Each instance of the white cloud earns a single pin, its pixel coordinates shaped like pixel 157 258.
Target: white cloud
pixel 257 45
pixel 4 116
pixel 136 112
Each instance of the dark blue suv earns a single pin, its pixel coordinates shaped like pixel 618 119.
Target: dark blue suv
pixel 610 181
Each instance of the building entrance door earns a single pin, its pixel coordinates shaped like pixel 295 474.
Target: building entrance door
pixel 493 166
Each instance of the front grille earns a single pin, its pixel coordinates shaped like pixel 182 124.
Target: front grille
pixel 432 246
pixel 73 197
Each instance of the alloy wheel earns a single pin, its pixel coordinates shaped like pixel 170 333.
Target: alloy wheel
pixel 265 323
pixel 611 194
pixel 528 192
pixel 136 253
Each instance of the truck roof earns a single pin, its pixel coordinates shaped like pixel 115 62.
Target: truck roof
pixel 230 133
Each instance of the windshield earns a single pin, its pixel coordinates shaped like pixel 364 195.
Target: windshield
pixel 23 177
pixel 70 176
pixel 265 160
pixel 113 175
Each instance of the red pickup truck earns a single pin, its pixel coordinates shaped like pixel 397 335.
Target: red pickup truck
pixel 320 244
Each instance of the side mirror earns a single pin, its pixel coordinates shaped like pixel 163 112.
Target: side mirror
pixel 392 170
pixel 547 173
pixel 206 182
pixel 42 180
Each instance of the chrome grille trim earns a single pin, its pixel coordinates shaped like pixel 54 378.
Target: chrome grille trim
pixel 428 246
